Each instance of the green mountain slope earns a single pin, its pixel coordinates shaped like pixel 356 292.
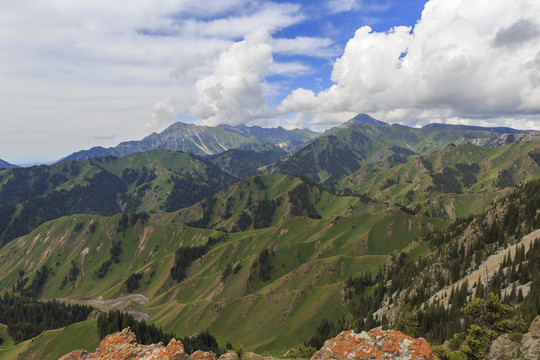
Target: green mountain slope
pixel 288 140
pixel 294 268
pixel 141 182
pixel 246 161
pixel 343 150
pixel 52 344
pixel 453 182
pixel 267 200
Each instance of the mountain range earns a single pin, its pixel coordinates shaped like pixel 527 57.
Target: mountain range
pixel 302 234
pixel 204 140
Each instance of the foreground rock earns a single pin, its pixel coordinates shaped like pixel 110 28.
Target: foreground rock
pixel 123 346
pixel 375 345
pixel 527 348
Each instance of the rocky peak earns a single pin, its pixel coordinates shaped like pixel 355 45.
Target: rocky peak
pixel 375 345
pixel 123 346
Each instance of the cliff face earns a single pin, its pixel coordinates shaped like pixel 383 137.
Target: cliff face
pixel 123 346
pixel 374 345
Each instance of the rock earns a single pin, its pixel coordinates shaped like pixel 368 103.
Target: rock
pixel 503 347
pixel 123 346
pixel 203 355
pixel 229 355
pixel 376 345
pixel 528 347
pixel 248 355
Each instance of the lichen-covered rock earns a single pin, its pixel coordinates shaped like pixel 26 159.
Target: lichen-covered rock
pixel 374 345
pixel 123 346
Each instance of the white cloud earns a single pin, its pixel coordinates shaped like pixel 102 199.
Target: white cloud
pixel 73 70
pixel 338 6
pixel 308 46
pixel 233 93
pixel 464 60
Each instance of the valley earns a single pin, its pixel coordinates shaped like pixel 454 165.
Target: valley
pixel 340 229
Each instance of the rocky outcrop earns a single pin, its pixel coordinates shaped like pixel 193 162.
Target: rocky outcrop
pixel 375 345
pixel 123 346
pixel 527 348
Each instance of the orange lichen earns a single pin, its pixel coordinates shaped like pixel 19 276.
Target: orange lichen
pixel 374 345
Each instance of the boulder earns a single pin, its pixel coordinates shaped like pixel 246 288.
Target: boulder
pixel 376 345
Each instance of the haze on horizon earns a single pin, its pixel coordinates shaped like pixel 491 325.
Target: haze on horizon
pixel 82 74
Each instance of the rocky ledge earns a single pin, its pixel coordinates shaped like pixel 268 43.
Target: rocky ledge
pixel 375 345
pixel 123 346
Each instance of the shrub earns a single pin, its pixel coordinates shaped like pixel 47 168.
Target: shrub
pixel 515 336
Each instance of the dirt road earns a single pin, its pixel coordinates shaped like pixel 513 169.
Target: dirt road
pixel 119 303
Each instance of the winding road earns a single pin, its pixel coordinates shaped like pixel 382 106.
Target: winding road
pixel 119 303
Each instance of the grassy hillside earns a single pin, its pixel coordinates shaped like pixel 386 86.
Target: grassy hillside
pixel 52 344
pixel 151 181
pixel 246 161
pixel 453 182
pixel 343 150
pixel 300 279
pixel 264 201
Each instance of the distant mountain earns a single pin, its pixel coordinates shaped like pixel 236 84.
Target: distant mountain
pixel 150 181
pixel 287 140
pixel 247 160
pixel 343 150
pixel 6 165
pixel 363 119
pixel 450 183
pixel 203 140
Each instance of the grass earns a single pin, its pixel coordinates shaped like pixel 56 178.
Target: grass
pixel 52 344
pixel 311 258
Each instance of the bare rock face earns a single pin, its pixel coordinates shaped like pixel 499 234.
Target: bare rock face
pixel 123 346
pixel 527 348
pixel 375 345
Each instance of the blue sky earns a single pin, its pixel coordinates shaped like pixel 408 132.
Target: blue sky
pixel 98 72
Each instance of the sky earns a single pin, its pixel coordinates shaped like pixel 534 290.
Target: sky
pixel 77 74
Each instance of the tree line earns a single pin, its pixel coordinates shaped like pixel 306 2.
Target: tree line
pixel 26 317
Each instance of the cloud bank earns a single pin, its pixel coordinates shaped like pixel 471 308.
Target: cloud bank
pixel 464 61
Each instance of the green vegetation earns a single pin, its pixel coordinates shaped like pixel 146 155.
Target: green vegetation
pixel 141 182
pixel 211 254
pixel 453 182
pixel 302 352
pixel 26 318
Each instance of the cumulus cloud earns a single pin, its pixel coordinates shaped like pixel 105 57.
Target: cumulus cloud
pixel 462 60
pixel 233 93
pixel 95 65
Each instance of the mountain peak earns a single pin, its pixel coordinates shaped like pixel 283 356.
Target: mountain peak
pixel 365 119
